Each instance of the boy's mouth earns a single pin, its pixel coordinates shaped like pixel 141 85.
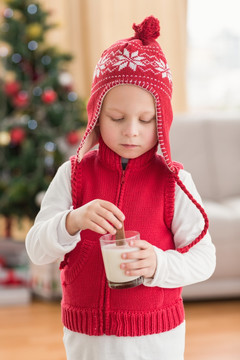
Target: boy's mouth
pixel 129 146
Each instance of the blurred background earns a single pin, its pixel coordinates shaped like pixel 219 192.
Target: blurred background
pixel 48 52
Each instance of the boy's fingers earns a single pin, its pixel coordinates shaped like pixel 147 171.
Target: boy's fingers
pixel 141 244
pixel 104 224
pixel 136 265
pixel 138 254
pixel 140 272
pixel 109 216
pixel 113 209
pixel 98 229
pixel 144 252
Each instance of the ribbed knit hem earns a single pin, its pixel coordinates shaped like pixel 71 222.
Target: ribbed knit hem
pixel 122 323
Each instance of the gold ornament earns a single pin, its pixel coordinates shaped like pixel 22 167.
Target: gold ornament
pixel 10 76
pixel 4 138
pixel 34 31
pixel 18 15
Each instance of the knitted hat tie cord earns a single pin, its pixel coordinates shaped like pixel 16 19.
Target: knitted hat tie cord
pixel 202 211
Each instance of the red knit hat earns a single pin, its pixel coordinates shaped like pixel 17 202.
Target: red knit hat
pixel 139 61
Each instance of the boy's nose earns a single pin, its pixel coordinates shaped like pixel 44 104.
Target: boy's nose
pixel 130 129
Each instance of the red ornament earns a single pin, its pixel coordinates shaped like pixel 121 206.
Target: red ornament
pixel 49 96
pixel 11 88
pixel 12 279
pixel 2 262
pixel 21 99
pixel 17 135
pixel 73 137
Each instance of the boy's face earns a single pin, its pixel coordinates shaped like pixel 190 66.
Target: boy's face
pixel 128 121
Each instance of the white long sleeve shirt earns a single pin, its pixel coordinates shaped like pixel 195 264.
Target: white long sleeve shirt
pixel 48 240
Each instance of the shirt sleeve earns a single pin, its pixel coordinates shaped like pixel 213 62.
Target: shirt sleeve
pixel 198 264
pixel 48 239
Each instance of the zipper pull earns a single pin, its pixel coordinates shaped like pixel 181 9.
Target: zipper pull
pixel 123 177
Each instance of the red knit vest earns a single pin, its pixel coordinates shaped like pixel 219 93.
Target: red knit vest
pixel 145 193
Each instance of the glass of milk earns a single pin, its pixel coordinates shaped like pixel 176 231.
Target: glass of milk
pixel 112 250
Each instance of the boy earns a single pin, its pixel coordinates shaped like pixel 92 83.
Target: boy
pixel 125 180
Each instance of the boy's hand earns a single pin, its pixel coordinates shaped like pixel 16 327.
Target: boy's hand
pixel 145 260
pixel 98 215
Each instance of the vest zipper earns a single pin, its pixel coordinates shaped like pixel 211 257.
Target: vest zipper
pixel 106 288
pixel 122 181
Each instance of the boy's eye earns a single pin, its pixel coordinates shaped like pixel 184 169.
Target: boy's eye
pixel 146 121
pixel 116 119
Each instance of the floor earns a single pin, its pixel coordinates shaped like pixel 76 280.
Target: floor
pixel 213 331
pixel 35 331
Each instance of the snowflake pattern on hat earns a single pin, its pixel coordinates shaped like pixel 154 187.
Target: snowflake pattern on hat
pixel 164 69
pixel 120 60
pixel 129 59
pixel 101 65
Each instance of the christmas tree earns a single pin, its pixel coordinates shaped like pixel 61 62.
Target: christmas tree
pixel 39 110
